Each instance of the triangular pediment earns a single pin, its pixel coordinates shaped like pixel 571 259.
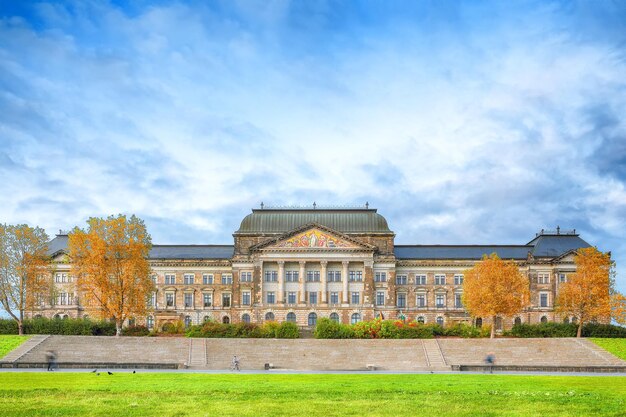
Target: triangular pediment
pixel 566 257
pixel 313 237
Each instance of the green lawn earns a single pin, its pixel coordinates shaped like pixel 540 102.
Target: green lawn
pixel 10 342
pixel 615 346
pixel 184 394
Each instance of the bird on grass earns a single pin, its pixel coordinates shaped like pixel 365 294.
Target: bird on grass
pixel 109 372
pixel 98 374
pixel 134 372
pixel 94 371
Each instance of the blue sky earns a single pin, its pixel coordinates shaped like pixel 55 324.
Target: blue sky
pixel 462 122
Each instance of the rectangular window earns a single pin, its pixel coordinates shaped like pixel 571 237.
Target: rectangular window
pixel 334 298
pixel 225 300
pixel 421 300
pixel 313 298
pixel 292 276
pixel 543 278
pixel 401 280
pixel 458 279
pixel 245 298
pixel 562 278
pixel 380 277
pixel 207 299
pixel 227 279
pixel 63 298
pixel 420 279
pixel 380 298
pixel 355 276
pixel 543 299
pixel 401 300
pixel 207 279
pixel 188 300
pixel 188 279
pixel 291 298
pixel 152 300
pixel 355 297
pixel 440 300
pixel 334 276
pixel 458 302
pixel 154 279
pixel 271 297
pixel 60 277
pixel 246 277
pixel 170 279
pixel 169 299
pixel 313 276
pixel 440 280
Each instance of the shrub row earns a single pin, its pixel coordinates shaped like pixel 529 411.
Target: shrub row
pixel 392 329
pixel 284 330
pixel 566 330
pixel 67 327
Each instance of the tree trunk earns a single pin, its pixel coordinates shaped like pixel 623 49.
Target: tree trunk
pixel 20 327
pixel 118 327
pixel 493 327
pixel 580 329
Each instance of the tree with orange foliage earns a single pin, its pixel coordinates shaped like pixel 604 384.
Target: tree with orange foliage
pixel 493 288
pixel 587 292
pixel 23 269
pixel 618 308
pixel 110 263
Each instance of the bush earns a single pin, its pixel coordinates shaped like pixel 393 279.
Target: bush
pixel 543 330
pixel 467 331
pixel 329 329
pixel 67 327
pixel 135 331
pixel 373 329
pixel 269 329
pixel 603 330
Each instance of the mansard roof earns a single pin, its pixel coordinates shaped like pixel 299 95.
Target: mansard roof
pixel 461 251
pixel 283 220
pixel 550 244
pixel 310 226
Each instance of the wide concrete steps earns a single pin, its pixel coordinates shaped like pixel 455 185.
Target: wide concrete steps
pixel 197 353
pixel 314 354
pixel 111 349
pixel 434 356
pixel 526 352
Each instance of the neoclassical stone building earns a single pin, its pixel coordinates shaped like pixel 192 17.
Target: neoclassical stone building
pixel 300 264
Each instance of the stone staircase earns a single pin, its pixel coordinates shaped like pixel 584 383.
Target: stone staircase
pixel 197 353
pixel 24 348
pixel 434 357
pixel 563 352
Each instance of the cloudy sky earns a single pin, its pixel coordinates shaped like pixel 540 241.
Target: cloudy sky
pixel 481 122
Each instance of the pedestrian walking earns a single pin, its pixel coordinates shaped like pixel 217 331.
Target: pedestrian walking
pixel 234 366
pixel 490 360
pixel 51 358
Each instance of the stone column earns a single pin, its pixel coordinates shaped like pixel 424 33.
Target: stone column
pixel 259 296
pixel 344 278
pixel 281 281
pixel 302 279
pixel 324 280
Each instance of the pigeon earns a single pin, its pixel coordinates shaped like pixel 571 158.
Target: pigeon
pixel 109 372
pixel 98 374
pixel 134 372
pixel 94 371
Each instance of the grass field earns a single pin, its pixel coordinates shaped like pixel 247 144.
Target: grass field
pixel 182 394
pixel 615 346
pixel 10 342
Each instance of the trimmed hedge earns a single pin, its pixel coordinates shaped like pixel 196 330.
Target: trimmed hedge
pixel 271 329
pixel 136 330
pixel 553 329
pixel 374 329
pixel 67 327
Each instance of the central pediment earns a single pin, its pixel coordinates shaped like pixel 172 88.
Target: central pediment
pixel 312 237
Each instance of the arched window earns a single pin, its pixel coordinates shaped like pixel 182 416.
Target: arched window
pixel 131 321
pixel 225 319
pixel 574 320
pixel 37 316
pixel 150 322
pixel 544 319
pixel 312 319
pixel 334 317
pixel 355 318
pixel 270 316
pixel 291 317
pixel 187 321
pixel 479 322
pixel 420 319
pixel 206 318
pixel 65 317
pixel 566 320
pixel 440 321
pixel 245 318
pixel 517 321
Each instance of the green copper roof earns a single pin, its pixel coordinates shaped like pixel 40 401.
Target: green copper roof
pixel 285 220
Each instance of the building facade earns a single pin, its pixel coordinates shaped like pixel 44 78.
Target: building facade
pixel 301 264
